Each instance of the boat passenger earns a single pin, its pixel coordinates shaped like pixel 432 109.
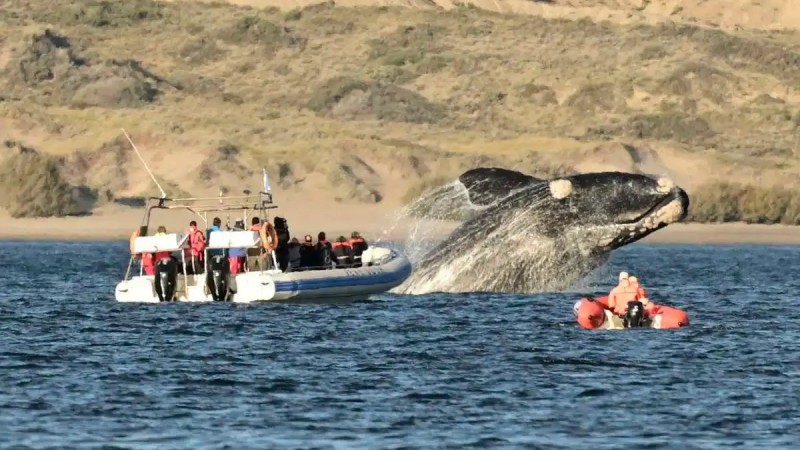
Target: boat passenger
pixel 325 257
pixel 636 287
pixel 308 253
pixel 194 254
pixel 216 226
pixel 147 264
pixel 255 255
pixel 282 249
pixel 237 256
pixel 343 251
pixel 358 245
pixel 294 257
pixel 622 294
pixel 641 294
pixel 162 231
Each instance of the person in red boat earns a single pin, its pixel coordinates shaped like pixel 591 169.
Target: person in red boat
pixel 626 291
pixel 641 295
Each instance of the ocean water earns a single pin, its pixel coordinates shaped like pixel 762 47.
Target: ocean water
pixel 78 370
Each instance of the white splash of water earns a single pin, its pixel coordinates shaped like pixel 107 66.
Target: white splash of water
pixel 420 222
pixel 515 257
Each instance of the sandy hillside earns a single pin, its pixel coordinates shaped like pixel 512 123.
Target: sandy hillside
pixel 355 109
pixel 765 14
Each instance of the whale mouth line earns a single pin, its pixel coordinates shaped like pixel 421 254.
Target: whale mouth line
pixel 656 218
pixel 658 207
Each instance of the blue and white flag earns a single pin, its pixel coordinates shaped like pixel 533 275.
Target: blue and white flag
pixel 266 181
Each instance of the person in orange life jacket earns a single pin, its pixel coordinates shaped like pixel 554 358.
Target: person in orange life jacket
pixel 343 251
pixel 622 294
pixel 194 254
pixel 358 244
pixel 325 254
pixel 641 294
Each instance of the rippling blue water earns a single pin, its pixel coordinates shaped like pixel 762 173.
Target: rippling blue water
pixel 78 370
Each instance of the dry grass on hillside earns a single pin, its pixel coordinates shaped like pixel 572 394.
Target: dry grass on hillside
pixel 366 103
pixel 31 185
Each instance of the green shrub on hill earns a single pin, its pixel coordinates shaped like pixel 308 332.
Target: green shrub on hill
pixel 733 202
pixel 32 186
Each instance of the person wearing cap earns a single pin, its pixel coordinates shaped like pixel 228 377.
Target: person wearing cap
pixel 308 253
pixel 621 295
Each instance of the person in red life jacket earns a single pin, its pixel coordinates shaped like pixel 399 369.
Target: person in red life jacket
pixel 325 256
pixel 343 252
pixel 194 255
pixel 624 293
pixel 634 285
pixel 162 231
pixel 641 294
pixel 358 244
pixel 237 256
pixel 256 226
pixel 148 265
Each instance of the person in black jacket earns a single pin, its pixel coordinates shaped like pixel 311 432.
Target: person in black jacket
pixel 325 254
pixel 308 254
pixel 282 249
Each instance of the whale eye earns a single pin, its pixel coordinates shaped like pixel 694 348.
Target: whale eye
pixel 560 189
pixel 665 185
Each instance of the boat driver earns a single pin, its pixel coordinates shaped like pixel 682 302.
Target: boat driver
pixel 624 293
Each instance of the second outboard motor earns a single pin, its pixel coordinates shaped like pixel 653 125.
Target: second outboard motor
pixel 634 317
pixel 166 279
pixel 217 278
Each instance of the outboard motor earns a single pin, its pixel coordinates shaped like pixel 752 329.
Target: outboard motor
pixel 634 317
pixel 217 278
pixel 166 279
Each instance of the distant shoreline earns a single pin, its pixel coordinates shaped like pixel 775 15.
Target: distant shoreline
pixel 118 225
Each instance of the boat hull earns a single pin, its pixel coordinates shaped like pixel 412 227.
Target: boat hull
pixel 314 286
pixel 593 314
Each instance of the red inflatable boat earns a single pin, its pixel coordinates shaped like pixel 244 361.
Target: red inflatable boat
pixel 593 313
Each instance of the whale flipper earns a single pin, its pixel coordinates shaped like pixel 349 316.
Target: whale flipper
pixel 486 186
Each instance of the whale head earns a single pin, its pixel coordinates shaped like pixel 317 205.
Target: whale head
pixel 604 210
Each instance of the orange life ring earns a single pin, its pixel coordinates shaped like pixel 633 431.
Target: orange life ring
pixel 268 244
pixel 134 235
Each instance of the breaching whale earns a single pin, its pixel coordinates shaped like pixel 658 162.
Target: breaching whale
pixel 528 235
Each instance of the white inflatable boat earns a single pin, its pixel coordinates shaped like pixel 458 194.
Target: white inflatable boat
pixel 380 268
